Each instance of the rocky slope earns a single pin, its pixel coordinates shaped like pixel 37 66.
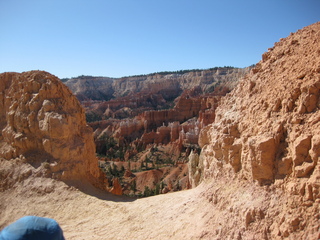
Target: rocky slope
pixel 267 132
pixel 43 124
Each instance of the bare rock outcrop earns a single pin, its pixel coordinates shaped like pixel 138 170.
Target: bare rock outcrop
pixel 43 124
pixel 268 131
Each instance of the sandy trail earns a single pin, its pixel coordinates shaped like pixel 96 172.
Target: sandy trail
pixel 213 210
pixel 105 216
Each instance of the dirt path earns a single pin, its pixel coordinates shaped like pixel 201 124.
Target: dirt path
pixel 105 216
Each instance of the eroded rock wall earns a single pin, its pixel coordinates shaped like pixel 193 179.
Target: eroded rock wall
pixel 268 128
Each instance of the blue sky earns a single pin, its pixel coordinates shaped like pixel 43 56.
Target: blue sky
pixel 127 37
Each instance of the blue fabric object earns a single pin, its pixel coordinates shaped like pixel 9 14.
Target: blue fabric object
pixel 32 228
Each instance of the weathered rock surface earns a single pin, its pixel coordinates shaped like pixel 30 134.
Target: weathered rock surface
pixel 267 131
pixel 43 124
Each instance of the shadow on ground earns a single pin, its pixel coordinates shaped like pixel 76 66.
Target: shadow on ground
pixel 93 191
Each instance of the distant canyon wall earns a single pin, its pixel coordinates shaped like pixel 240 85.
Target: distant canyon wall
pixel 103 88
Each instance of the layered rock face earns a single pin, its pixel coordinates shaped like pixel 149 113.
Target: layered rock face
pixel 43 124
pixel 267 130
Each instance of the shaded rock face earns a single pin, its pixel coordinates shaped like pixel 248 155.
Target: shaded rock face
pixel 43 123
pixel 267 131
pixel 91 88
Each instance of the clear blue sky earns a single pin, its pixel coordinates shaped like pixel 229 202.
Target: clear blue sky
pixel 127 37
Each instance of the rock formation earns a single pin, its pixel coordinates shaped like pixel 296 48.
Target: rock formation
pixel 267 130
pixel 43 124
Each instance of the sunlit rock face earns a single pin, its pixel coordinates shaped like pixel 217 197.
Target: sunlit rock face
pixel 267 128
pixel 43 123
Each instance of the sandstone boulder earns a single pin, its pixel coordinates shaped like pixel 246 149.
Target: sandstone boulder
pixel 43 123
